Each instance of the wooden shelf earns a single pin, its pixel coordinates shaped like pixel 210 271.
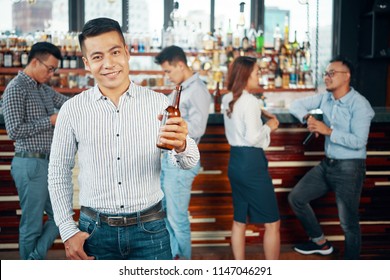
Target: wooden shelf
pixel 15 70
pixel 146 72
pixel 9 70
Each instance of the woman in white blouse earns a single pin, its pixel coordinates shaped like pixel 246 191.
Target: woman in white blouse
pixel 254 198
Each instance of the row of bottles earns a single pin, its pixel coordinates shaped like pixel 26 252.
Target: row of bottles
pixel 212 63
pixel 284 72
pixel 194 39
pixel 14 50
pixel 62 80
pixel 18 57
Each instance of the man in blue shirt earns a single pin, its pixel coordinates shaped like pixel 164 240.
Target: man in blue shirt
pixel 346 124
pixel 176 183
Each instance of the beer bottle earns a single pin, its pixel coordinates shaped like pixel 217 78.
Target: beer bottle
pixel 170 112
pixel 217 99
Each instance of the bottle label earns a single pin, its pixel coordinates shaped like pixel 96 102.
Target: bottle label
pixel 65 63
pixel 24 59
pixel 73 64
pixel 8 60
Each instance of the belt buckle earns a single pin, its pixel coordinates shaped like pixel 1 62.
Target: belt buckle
pixel 116 221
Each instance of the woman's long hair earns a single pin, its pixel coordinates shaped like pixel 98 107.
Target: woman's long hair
pixel 239 73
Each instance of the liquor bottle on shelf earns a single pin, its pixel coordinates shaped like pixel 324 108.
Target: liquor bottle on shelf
pixel 218 37
pixel 252 35
pixel 1 56
pixel 295 44
pixel 155 41
pixel 8 58
pixel 286 78
pixel 217 99
pixel 301 79
pixel 24 57
pixel 229 55
pixel 170 112
pixel 260 40
pixel 277 38
pixel 241 19
pixel 73 61
pixel 168 36
pixel 278 77
pixel 208 41
pixel 16 57
pixel 236 38
pixel 264 66
pixel 198 38
pixel 245 42
pixel 286 48
pixel 271 72
pixel 306 51
pixel 229 34
pixel 286 30
pixel 196 64
pixel 308 79
pixel 293 77
pixel 65 61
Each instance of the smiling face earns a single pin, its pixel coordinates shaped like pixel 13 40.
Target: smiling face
pixel 107 58
pixel 337 76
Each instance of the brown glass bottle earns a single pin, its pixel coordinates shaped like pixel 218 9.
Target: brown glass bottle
pixel 217 99
pixel 170 112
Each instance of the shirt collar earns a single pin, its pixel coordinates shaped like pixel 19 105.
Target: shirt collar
pixel 28 80
pixel 346 98
pixel 189 81
pixel 97 94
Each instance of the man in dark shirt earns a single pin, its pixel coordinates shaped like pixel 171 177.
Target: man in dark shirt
pixel 29 113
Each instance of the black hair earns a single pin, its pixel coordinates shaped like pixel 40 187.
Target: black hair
pixel 172 54
pixel 97 26
pixel 345 61
pixel 42 49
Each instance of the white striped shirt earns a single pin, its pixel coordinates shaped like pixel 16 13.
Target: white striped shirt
pixel 118 158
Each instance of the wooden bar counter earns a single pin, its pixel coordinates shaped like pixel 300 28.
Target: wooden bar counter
pixel 211 203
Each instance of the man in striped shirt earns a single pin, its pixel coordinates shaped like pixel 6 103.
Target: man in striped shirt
pixel 114 128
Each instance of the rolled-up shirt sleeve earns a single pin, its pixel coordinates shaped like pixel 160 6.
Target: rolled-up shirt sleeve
pixel 301 107
pixel 189 157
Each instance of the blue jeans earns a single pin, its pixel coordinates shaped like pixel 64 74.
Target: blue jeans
pixel 176 184
pixel 345 178
pixel 35 237
pixel 142 241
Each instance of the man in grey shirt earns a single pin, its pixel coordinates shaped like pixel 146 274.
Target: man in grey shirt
pixel 176 183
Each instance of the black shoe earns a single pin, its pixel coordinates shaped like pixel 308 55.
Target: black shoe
pixel 313 248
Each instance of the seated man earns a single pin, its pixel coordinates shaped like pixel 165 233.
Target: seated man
pixel 346 123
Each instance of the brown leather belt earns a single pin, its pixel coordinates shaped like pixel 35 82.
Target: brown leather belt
pixel 152 214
